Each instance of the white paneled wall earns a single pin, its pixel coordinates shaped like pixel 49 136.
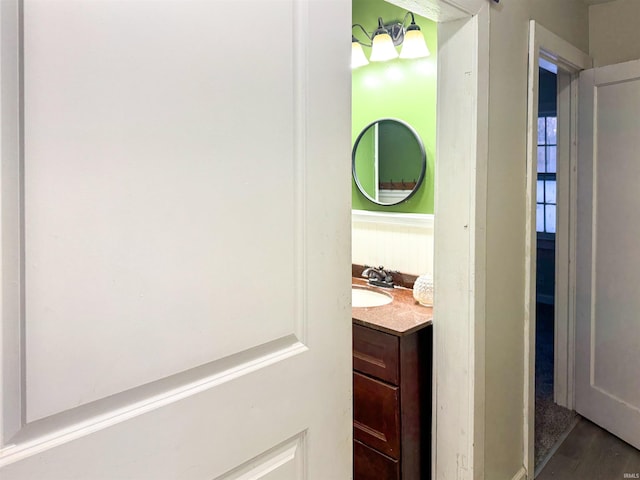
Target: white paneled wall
pixel 399 241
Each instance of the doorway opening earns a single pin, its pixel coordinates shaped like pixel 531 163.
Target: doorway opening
pixel 551 419
pixel 551 234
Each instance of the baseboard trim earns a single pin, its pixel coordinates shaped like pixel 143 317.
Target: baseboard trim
pixel 520 474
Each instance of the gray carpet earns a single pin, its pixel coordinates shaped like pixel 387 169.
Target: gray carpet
pixel 551 420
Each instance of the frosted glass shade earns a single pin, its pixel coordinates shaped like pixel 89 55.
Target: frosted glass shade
pixel 414 45
pixel 382 48
pixel 358 59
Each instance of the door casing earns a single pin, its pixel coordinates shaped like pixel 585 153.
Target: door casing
pixel 570 60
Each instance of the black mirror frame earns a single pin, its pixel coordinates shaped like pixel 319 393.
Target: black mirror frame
pixel 422 152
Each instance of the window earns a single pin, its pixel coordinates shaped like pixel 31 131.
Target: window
pixel 546 194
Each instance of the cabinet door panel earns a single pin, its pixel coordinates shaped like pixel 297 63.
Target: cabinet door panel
pixel 369 464
pixel 376 419
pixel 376 354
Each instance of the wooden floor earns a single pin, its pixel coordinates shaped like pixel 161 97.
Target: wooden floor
pixel 591 453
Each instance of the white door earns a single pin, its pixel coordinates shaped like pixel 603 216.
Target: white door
pixel 608 250
pixel 175 240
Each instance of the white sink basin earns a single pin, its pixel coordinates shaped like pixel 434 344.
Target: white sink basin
pixel 367 297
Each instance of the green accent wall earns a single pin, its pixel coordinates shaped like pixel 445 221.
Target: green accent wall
pixel 402 89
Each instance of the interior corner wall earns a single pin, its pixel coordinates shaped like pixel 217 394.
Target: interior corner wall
pixel 613 32
pixel 505 222
pixel 504 324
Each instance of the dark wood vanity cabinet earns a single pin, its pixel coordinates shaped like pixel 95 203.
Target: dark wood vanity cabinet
pixel 391 404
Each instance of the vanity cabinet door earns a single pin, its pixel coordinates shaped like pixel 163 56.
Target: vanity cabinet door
pixel 376 414
pixel 392 404
pixel 376 354
pixel 368 464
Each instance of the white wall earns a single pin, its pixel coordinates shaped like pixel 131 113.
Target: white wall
pixel 566 18
pixel 505 218
pixel 613 32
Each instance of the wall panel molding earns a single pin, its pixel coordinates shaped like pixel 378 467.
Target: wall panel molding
pixel 399 241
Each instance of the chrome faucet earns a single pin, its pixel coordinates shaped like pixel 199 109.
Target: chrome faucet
pixel 378 276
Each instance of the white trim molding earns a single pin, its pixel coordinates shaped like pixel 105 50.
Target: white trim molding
pixel 441 10
pixel 415 220
pixel 460 248
pixel 520 474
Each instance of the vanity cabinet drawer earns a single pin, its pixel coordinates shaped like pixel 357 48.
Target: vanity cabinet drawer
pixel 369 464
pixel 376 353
pixel 376 415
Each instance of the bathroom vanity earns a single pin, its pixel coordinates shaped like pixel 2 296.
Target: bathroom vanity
pixel 392 357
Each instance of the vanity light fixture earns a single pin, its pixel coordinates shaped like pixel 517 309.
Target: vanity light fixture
pixel 384 40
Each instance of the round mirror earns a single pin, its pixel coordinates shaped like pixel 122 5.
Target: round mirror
pixel 388 161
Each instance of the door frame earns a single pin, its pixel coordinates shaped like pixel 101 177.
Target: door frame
pixel 458 402
pixel 570 61
pixel 460 253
